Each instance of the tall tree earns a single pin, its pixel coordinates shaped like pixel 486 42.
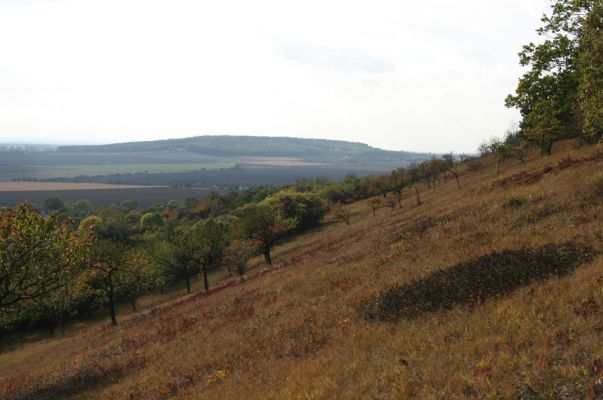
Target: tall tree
pixel 560 94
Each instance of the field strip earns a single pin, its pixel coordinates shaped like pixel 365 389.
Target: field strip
pixel 9 186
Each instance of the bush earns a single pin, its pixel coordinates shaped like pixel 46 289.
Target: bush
pixel 514 201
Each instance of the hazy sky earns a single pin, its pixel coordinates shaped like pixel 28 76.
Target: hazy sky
pixel 415 75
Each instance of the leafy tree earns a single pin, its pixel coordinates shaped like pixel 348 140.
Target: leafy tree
pixel 503 152
pixel 307 208
pixel 210 239
pixel 129 205
pixel 109 260
pixel 53 203
pixel 82 207
pixel 560 94
pixel 375 203
pixel 151 221
pixel 590 62
pixel 342 212
pixel 265 226
pixel 176 257
pixel 38 254
pixel 138 278
pixel 237 254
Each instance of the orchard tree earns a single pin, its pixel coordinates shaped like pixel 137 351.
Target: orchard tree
pixel 237 254
pixel 210 239
pixel 38 254
pixel 109 260
pixel 265 226
pixel 375 203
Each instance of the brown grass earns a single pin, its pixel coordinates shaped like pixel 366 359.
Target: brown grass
pixel 296 333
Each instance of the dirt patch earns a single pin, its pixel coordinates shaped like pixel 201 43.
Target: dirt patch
pixel 473 281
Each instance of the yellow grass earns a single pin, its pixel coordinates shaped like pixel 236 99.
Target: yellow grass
pixel 297 333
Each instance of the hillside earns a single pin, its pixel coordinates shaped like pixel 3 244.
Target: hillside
pixel 329 151
pixel 400 305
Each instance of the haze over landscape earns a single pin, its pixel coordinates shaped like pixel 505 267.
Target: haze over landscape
pixel 417 76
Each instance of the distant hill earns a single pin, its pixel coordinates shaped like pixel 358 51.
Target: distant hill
pixel 332 151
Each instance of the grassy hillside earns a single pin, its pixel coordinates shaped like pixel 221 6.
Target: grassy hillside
pixel 335 319
pixel 333 151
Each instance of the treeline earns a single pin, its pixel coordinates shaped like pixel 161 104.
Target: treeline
pixel 561 94
pixel 68 259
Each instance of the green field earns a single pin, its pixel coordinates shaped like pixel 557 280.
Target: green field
pixel 72 171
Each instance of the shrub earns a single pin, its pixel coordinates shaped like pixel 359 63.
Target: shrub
pixel 514 201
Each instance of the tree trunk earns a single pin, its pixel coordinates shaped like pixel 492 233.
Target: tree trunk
pixel 133 301
pixel 188 285
pixel 418 198
pixel 205 281
pixel 456 176
pixel 549 148
pixel 267 257
pixel 112 306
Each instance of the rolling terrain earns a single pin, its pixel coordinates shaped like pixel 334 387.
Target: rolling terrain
pixel 397 305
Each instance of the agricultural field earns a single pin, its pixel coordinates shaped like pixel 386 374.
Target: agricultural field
pixel 260 161
pixel 493 290
pixel 50 172
pixel 13 193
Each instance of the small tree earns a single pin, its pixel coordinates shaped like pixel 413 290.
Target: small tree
pixel 237 254
pixel 109 261
pixel 342 212
pixel 53 203
pixel 451 167
pixel 503 152
pixel 391 202
pixel 375 203
pixel 210 238
pixel 418 197
pixel 265 226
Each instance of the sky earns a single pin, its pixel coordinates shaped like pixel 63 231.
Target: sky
pixel 426 75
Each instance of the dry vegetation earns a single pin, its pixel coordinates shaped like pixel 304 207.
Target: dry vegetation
pixel 301 332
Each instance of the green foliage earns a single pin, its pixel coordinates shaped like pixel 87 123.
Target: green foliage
pixel 590 61
pixel 307 208
pixel 129 205
pixel 82 207
pixel 560 95
pixel 237 254
pixel 152 220
pixel 38 255
pixel 264 226
pixel 53 203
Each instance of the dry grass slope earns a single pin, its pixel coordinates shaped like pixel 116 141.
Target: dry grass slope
pixel 297 332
